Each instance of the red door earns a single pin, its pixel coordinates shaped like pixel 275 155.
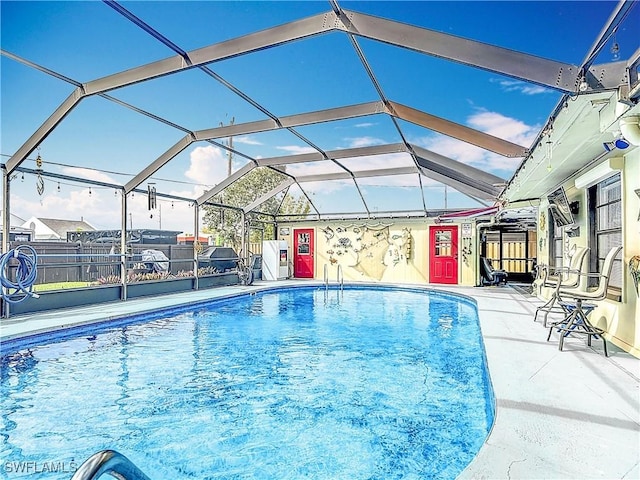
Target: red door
pixel 443 258
pixel 303 253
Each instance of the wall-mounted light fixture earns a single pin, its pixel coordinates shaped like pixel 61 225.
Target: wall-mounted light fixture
pixel 630 130
pixel 620 142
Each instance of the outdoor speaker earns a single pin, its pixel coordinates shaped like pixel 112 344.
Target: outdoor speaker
pixel 574 207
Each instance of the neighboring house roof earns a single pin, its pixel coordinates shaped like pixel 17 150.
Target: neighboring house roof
pixel 16 221
pixel 58 227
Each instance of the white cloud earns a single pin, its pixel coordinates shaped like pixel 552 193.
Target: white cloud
pixel 101 207
pixel 500 126
pixel 89 174
pixel 377 162
pixel 494 124
pixel 170 214
pixel 534 90
pixel 522 87
pixel 356 142
pixel 208 165
pixel 313 168
pixel 402 181
pixel 364 125
pixel 373 162
pixel 246 140
pixel 325 188
pixel 295 149
pixel 430 183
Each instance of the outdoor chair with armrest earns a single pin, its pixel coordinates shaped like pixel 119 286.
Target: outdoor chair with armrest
pixel 561 278
pixel 490 275
pixel 577 311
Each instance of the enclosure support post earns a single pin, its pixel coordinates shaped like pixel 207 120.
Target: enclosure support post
pixel 6 225
pixel 243 244
pixel 123 246
pixel 196 242
pixel 6 213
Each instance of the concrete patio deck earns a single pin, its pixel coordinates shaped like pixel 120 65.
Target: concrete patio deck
pixel 573 414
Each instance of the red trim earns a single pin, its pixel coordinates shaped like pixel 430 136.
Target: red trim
pixel 470 213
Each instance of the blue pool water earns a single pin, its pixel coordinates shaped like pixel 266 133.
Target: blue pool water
pixel 367 383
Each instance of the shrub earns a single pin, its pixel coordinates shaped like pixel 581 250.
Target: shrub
pixel 143 277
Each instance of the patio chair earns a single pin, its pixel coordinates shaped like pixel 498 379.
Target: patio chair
pixel 577 311
pixel 560 278
pixel 490 276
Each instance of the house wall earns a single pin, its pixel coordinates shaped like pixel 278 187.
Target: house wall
pixel 41 231
pixel 625 321
pixel 619 319
pixel 387 256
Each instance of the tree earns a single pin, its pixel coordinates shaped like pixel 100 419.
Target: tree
pixel 226 224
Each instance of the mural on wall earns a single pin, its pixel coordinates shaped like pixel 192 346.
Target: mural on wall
pixel 569 250
pixel 634 268
pixel 368 249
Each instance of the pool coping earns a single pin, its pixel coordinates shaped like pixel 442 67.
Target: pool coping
pixel 570 414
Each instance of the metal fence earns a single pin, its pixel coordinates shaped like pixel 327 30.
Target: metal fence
pixel 62 262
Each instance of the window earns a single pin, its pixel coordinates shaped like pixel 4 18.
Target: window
pixel 605 219
pixel 304 239
pixel 443 243
pixel 555 243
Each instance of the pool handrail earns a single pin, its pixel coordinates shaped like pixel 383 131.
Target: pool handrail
pixel 326 276
pixel 339 276
pixel 111 462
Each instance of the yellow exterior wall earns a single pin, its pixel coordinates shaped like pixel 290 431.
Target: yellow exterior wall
pixel 624 323
pixel 621 320
pixel 393 250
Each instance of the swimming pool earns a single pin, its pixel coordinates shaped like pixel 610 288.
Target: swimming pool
pixel 287 383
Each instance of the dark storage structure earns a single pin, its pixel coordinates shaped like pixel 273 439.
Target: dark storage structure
pixel 222 259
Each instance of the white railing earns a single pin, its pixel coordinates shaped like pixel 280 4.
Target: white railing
pixel 326 276
pixel 110 462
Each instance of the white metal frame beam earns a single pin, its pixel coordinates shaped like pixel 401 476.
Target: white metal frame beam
pixel 446 127
pixel 225 183
pixel 497 59
pixel 549 73
pixel 380 172
pixel 271 37
pixel 337 154
pixel 271 193
pixel 476 182
pixel 464 178
pixel 298 120
pixel 332 114
pixel 355 152
pixel 45 129
pixel 163 159
pixel 252 42
pixel 457 131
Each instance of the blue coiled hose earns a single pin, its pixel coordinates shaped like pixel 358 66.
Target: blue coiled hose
pixel 26 273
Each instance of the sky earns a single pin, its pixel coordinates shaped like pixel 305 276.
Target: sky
pixel 100 140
